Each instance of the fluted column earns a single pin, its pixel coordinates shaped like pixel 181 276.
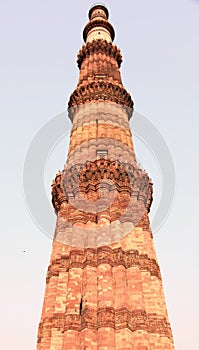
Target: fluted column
pixel 104 288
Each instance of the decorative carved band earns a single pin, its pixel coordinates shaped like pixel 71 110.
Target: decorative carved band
pixel 101 90
pixel 124 176
pixel 58 194
pixel 81 178
pixel 96 47
pixel 106 317
pixel 80 258
pixel 123 318
pixel 98 23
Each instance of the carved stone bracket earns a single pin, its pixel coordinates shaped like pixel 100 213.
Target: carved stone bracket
pixel 82 178
pixel 101 90
pixel 99 47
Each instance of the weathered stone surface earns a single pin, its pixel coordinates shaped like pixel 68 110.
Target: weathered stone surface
pixel 103 255
pixel 90 179
pixel 99 47
pixel 102 296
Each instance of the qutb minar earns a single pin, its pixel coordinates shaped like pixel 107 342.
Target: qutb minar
pixel 103 288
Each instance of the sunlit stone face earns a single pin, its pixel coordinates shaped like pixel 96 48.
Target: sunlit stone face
pixel 99 33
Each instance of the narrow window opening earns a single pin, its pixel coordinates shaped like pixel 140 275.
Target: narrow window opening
pixel 80 307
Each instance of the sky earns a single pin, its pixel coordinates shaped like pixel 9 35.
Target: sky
pixel 39 43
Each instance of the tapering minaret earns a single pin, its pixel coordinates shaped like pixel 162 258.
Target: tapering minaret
pixel 104 288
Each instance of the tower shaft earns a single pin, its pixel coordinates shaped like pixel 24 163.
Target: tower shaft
pixel 103 288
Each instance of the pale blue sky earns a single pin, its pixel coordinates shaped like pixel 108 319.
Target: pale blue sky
pixel 39 43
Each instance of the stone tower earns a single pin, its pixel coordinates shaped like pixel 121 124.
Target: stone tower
pixel 103 289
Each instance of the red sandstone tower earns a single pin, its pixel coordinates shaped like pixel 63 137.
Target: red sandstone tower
pixel 103 289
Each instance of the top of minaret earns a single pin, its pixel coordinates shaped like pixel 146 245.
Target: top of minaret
pixel 98 26
pixel 98 10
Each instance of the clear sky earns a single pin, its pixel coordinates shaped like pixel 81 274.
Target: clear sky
pixel 39 43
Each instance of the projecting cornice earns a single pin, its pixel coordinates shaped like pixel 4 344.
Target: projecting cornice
pixel 99 47
pixel 101 90
pixel 87 177
pixel 101 23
